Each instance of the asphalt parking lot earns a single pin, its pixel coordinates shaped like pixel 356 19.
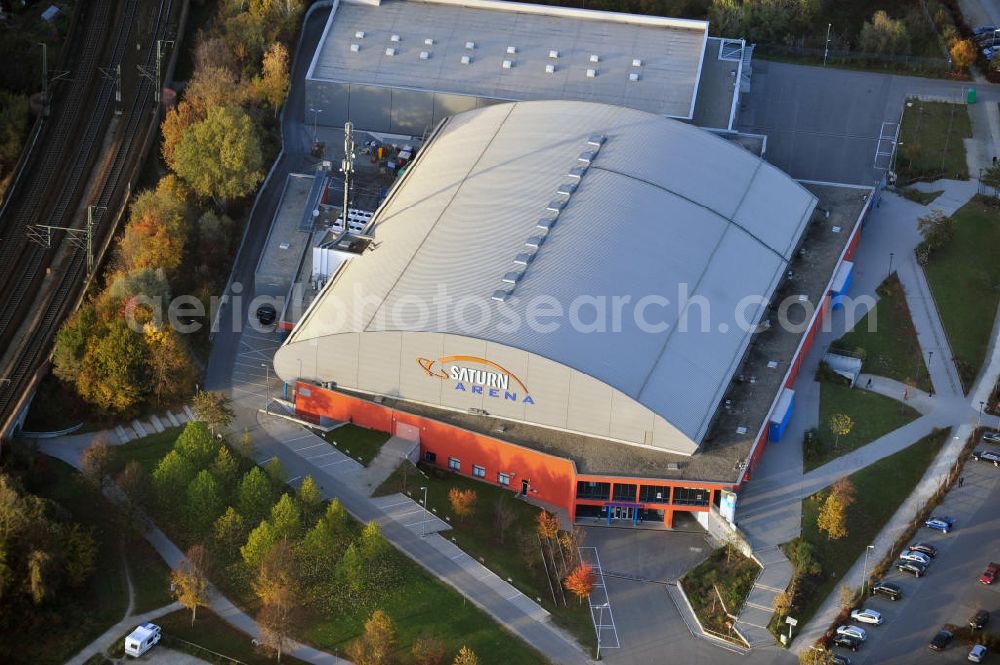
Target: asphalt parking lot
pixel 950 592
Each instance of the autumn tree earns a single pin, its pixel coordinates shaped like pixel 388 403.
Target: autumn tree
pixel 220 156
pixel 155 233
pixel 580 582
pixel 963 53
pixel 277 574
pixel 991 176
pixel 272 84
pixel 212 87
pixel 113 372
pixel 39 570
pixel 213 408
pixel 882 34
pixel 172 373
pixel 377 644
pixel 463 502
pixel 428 650
pixel 832 517
pixel 96 461
pixel 190 580
pixel 176 123
pixel 936 228
pixel 504 515
pixel 134 483
pixel 782 603
pixel 547 525
pixel 278 619
pixel 840 424
pixel 80 552
pixel 846 596
pixel 466 656
pixel 843 488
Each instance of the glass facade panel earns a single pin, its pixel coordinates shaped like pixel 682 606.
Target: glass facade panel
pixel 691 496
pixel 654 494
pixel 591 490
pixel 625 492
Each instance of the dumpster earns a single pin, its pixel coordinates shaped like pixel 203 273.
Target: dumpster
pixel 971 97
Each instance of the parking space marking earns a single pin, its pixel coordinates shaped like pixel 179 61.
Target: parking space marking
pixel 315 445
pixel 600 611
pixel 334 463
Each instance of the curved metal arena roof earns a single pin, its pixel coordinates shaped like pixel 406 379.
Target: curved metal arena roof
pixel 659 206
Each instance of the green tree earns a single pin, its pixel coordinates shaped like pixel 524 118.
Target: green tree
pixel 225 469
pixel 286 518
pixel 197 445
pixel 204 503
pixel 134 483
pixel 372 545
pixel 428 650
pixel 71 344
pixel 229 532
pixel 276 472
pixel 213 408
pixel 171 478
pixel 351 568
pixel 80 553
pixel 255 496
pixel 113 373
pixel 220 156
pixel 39 565
pixel 883 34
pixel 258 544
pixel 310 500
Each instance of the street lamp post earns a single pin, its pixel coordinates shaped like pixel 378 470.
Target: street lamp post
pixel 315 113
pixel 267 385
pixel 979 418
pixel 423 522
pixel 864 577
pixel 826 51
pixel 890 263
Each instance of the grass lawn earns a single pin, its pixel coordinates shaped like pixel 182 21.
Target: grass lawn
pixel 873 415
pixel 150 576
pixel 892 350
pixel 71 620
pixel 917 196
pixel 148 450
pixel 879 491
pixel 212 633
pixel 733 578
pixel 964 277
pixel 517 558
pixel 931 141
pixel 360 443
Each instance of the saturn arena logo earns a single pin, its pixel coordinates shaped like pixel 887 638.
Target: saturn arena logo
pixel 495 382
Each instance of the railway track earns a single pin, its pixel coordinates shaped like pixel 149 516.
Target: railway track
pixel 71 274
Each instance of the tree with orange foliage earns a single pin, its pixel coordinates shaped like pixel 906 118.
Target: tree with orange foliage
pixel 177 121
pixel 463 502
pixel 580 582
pixel 547 525
pixel 155 234
pixel 963 53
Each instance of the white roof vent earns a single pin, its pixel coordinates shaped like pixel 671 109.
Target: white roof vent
pixel 596 140
pixel 524 258
pixel 511 50
pixel 556 205
pixel 390 51
pixel 587 156
pixel 394 38
pixel 578 171
pixel 466 59
pixel 355 48
pixel 507 64
pixel 550 69
pixel 594 57
pixel 636 62
pixel 566 188
pixel 534 242
pixel 553 53
pixel 360 34
pixel 500 295
pixel 546 223
pixel 425 55
pixel 429 41
pixel 470 45
pixel 633 76
pixel 513 277
pixel 591 73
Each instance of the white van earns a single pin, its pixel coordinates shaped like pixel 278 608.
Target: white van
pixel 142 639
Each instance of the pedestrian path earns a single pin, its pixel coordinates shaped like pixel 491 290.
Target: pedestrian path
pixel 404 510
pixel 774 578
pixel 123 627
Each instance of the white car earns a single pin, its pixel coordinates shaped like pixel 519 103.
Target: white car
pixel 977 654
pixel 913 555
pixel 990 52
pixel 867 616
pixel 854 631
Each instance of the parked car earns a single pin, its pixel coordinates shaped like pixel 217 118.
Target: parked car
pixel 990 51
pixel 926 548
pixel 977 653
pixel 914 568
pixel 941 641
pixel 986 456
pixel 846 642
pixel 989 575
pixel 913 555
pixel 979 620
pixel 993 436
pixel 984 29
pixel 943 524
pixel 266 314
pixel 867 616
pixel 839 659
pixel 856 632
pixel 887 589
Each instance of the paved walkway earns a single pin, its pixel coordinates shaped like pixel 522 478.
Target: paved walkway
pixel 111 635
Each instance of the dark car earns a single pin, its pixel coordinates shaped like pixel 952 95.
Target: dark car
pixel 914 568
pixel 846 642
pixel 887 589
pixel 979 620
pixel 924 548
pixel 266 314
pixel 993 436
pixel 941 641
pixel 839 659
pixel 983 29
pixel 986 456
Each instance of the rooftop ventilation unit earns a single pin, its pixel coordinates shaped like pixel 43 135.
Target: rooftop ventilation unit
pixel 501 295
pixel 513 277
pixel 594 57
pixel 577 171
pixel 534 242
pixel 507 64
pixel 390 51
pixel 673 466
pixel 566 188
pixel 741 430
pixel 429 41
pixel 524 258
pixel 596 140
pixel 355 48
pixel 511 50
pixel 553 53
pixel 466 59
pixel 636 62
pixel 470 45
pixel 425 55
pixel 556 205
pixel 587 156
pixel 360 34
pixel 550 69
pixel 546 223
pixel 591 73
pixel 633 76
pixel 394 38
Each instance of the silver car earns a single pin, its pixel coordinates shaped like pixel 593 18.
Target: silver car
pixel 857 632
pixel 913 555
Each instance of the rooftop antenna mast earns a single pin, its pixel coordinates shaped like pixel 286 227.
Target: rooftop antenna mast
pixel 347 165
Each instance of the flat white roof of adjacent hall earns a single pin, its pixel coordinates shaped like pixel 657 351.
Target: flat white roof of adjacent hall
pixel 460 47
pixel 653 204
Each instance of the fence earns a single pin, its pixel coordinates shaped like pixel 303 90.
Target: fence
pixel 857 58
pixel 199 651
